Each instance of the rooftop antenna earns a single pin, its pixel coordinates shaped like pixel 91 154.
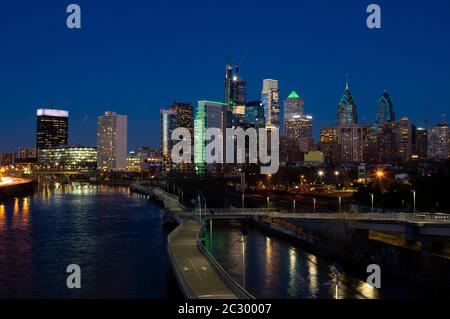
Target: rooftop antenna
pixel 346 81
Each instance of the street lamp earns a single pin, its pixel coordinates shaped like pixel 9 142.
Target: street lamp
pixel 336 173
pixel 414 201
pixel 320 173
pixel 340 202
pixel 379 174
pixel 371 197
pixel 314 201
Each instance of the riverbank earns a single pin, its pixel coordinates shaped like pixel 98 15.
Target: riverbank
pixel 354 251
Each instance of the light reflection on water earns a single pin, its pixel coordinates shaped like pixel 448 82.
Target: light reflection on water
pixel 116 237
pixel 276 268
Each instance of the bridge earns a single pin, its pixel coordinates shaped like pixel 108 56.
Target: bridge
pixel 201 276
pixel 430 224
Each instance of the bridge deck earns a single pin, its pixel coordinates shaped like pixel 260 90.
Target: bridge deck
pixel 195 268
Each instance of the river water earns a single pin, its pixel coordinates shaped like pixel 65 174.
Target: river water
pixel 118 239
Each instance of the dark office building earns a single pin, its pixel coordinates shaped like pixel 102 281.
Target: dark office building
pixel 235 88
pixel 52 128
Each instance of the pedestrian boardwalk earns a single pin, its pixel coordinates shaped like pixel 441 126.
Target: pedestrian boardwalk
pixel 195 274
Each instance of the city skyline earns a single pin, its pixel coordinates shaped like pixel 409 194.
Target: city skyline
pixel 157 77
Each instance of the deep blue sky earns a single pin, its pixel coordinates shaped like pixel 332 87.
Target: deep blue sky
pixel 135 57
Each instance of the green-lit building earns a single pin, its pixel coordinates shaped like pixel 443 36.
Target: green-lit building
pixel 208 114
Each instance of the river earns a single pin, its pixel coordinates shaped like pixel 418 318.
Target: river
pixel 119 241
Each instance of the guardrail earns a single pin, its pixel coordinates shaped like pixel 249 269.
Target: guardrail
pixel 187 290
pixel 403 217
pixel 237 289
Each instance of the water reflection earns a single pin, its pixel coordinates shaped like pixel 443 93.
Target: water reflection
pixel 116 237
pixel 276 268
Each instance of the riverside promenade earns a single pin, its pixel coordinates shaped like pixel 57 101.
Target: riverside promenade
pixel 198 273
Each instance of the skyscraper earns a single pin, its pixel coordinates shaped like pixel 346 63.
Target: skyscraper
pixel 235 88
pixel 209 114
pixel 421 143
pixel 349 132
pixel 386 132
pixel 254 114
pixel 405 135
pixel 52 128
pixel 271 103
pixel 184 117
pixel 385 111
pixel 329 143
pixel 112 142
pixel 347 108
pixel 299 129
pixel 350 143
pixel 369 140
pixel 169 122
pixel 438 142
pixel 293 106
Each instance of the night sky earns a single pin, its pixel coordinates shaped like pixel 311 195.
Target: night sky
pixel 135 57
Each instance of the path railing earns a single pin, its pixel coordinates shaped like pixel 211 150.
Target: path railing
pixel 237 289
pixel 401 217
pixel 188 292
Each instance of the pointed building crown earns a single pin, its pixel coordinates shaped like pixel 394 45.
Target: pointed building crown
pixel 293 95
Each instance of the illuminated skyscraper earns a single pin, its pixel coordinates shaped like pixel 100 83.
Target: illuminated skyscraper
pixel 405 133
pixel 386 132
pixel 349 132
pixel 52 128
pixel 235 88
pixel 347 108
pixel 112 142
pixel 169 122
pixel 299 129
pixel 293 106
pixel 209 114
pixel 385 111
pixel 329 143
pixel 185 119
pixel 271 103
pixel 369 140
pixel 350 143
pixel 438 142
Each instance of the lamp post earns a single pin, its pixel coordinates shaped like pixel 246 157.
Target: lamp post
pixel 336 173
pixel 371 197
pixel 320 173
pixel 414 201
pixel 314 201
pixel 340 203
pixel 242 187
pixel 293 205
pixel 210 234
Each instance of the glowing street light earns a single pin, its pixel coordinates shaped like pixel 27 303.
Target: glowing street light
pixel 321 173
pixel 379 174
pixel 414 201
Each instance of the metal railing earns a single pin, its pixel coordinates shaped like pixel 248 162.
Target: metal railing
pixel 187 290
pixel 401 217
pixel 237 289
